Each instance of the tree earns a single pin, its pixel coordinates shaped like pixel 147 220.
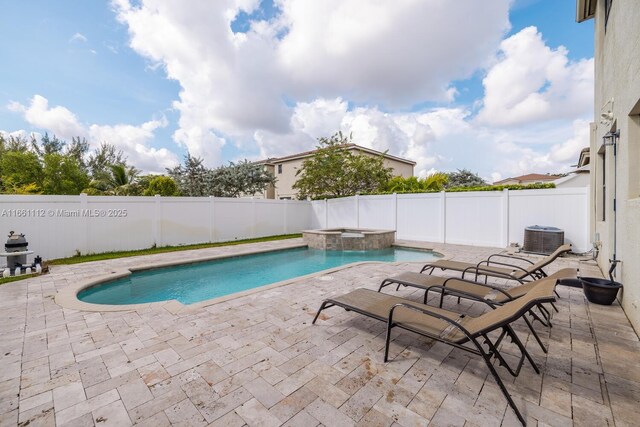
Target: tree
pixel 234 180
pixel 63 174
pixel 162 185
pixel 334 171
pixel 239 178
pixel 102 158
pixel 464 178
pixel 190 178
pixel 21 172
pixel 412 184
pixel 47 145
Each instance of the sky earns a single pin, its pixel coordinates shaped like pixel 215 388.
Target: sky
pixel 501 88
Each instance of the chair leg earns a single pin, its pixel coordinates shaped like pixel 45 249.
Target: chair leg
pixel 524 351
pixel 387 341
pixel 384 283
pixel 325 304
pixel 544 321
pixel 498 380
pixel 535 335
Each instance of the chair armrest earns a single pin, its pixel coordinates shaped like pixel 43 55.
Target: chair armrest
pixel 427 312
pixel 515 267
pixel 484 285
pixel 463 294
pixel 511 257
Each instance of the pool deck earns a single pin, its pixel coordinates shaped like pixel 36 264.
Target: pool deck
pixel 257 360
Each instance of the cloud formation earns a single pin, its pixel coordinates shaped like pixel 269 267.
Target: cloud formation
pixel 530 82
pixel 361 66
pixel 134 141
pixel 240 85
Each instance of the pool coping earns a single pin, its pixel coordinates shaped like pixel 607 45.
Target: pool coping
pixel 68 297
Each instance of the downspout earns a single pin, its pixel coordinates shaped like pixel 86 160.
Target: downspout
pixel 611 138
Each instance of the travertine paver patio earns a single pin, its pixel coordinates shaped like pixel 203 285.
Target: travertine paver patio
pixel 257 360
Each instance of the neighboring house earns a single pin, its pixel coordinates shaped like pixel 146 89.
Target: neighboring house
pixel 579 177
pixel 532 178
pixel 285 169
pixel 615 143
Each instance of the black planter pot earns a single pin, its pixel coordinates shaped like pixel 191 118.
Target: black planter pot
pixel 600 291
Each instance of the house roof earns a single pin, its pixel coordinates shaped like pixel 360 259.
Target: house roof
pixel 530 177
pixel 585 157
pixel 585 9
pixel 351 147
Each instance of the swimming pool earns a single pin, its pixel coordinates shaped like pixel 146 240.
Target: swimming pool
pixel 202 281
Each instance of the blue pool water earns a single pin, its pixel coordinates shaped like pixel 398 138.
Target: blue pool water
pixel 202 281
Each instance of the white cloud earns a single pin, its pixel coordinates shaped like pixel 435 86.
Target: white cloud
pixel 240 86
pixel 58 120
pixel 78 38
pixel 393 53
pixel 532 82
pixel 134 141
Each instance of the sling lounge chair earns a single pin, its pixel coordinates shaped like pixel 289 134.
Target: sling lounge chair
pixel 475 290
pixel 458 330
pixel 489 294
pixel 492 267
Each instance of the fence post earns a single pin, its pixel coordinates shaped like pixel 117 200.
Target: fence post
pixel 357 199
pixel 157 238
pixel 326 214
pixel 284 219
pixel 395 213
pixel 505 217
pixel 212 219
pixel 84 246
pixel 443 216
pixel 254 217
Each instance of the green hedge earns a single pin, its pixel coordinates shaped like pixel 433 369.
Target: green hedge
pixel 481 188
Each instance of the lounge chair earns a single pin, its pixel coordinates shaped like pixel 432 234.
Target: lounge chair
pixel 489 294
pixel 449 327
pixel 490 267
pixel 476 290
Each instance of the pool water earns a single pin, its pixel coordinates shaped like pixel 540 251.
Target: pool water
pixel 192 283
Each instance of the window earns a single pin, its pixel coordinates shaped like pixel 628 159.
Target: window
pixel 279 169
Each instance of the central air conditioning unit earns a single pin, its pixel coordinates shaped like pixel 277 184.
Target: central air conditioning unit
pixel 542 239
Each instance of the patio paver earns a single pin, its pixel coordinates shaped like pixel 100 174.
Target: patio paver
pixel 257 360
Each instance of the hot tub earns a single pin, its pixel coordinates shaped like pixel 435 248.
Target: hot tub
pixel 348 239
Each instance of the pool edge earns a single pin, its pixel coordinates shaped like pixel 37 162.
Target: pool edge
pixel 68 296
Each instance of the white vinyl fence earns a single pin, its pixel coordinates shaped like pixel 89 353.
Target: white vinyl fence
pixel 469 218
pixel 60 226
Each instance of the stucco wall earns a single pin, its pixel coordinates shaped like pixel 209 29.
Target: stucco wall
pixel 617 72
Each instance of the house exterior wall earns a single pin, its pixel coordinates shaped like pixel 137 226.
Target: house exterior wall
pixel 617 78
pixel 573 180
pixel 287 177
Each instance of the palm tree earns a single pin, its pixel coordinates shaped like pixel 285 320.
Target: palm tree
pixel 122 180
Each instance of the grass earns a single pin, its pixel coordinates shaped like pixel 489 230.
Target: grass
pixel 159 250
pixel 10 279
